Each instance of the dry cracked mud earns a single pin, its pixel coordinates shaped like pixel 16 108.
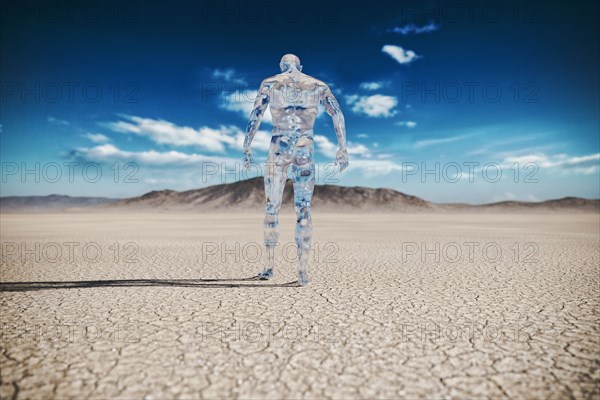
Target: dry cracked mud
pixel 160 306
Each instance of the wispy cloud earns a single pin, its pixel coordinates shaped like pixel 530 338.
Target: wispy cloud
pixel 110 152
pixel 371 85
pixel 228 75
pixel 329 149
pixel 588 164
pixel 96 137
pixel 377 105
pixel 374 167
pixel 169 160
pixel 399 54
pixel 517 197
pixel 168 133
pixel 165 132
pixel 363 162
pixel 436 141
pixel 408 124
pixel 57 121
pixel 492 147
pixel 412 28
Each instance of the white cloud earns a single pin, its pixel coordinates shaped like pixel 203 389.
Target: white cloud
pixel 57 121
pixel 359 149
pixel 412 28
pixel 174 159
pixel 522 137
pixel 228 75
pixel 261 141
pixel 372 167
pixel 365 162
pixel 329 149
pixel 165 132
pixel 207 138
pixel 408 124
pixel 399 54
pixel 362 135
pixel 371 85
pixel 325 146
pixel 109 152
pixel 377 105
pixel 579 164
pixel 449 139
pixel 96 137
pixel 509 196
pixel 155 181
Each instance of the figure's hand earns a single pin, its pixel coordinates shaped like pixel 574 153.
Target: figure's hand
pixel 248 160
pixel 341 159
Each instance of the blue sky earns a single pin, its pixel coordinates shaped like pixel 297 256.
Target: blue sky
pixel 450 101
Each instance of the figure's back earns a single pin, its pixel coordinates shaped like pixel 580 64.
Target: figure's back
pixel 294 100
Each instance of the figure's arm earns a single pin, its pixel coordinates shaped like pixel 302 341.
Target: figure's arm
pixel 260 106
pixel 332 107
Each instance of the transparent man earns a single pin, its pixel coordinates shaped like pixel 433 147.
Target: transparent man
pixel 293 98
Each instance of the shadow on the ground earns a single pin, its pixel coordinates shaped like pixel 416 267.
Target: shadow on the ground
pixel 196 283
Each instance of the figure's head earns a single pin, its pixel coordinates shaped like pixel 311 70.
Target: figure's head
pixel 290 61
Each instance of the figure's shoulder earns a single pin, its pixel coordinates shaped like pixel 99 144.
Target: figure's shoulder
pixel 316 82
pixel 271 80
pixel 319 82
pixel 306 82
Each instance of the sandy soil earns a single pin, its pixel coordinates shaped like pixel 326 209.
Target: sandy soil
pixel 400 306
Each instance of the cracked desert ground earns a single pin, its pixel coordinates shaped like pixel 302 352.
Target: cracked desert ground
pixel 432 306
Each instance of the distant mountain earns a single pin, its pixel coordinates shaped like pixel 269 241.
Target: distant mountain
pixel 249 195
pixel 564 203
pixel 50 202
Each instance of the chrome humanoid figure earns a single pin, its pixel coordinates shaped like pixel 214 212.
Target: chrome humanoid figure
pixel 294 98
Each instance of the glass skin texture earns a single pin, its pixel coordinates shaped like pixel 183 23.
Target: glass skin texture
pixel 293 98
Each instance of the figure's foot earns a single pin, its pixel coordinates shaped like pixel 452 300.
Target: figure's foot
pixel 266 274
pixel 303 278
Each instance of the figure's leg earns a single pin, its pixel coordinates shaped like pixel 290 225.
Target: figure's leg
pixel 303 172
pixel 275 177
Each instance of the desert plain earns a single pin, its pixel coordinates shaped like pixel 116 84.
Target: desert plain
pixel 440 305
